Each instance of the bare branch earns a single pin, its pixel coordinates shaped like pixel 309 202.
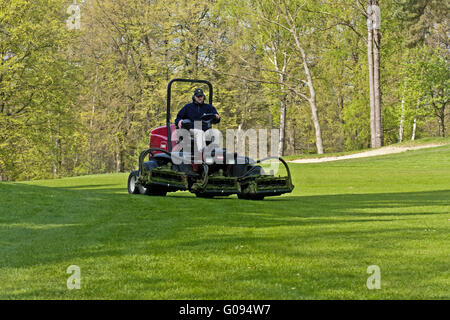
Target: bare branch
pixel 245 78
pixel 340 21
pixel 303 96
pixel 292 89
pixel 261 16
pixel 23 107
pixel 348 24
pixel 361 8
pixel 258 67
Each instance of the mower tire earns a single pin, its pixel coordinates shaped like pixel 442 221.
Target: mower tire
pixel 133 187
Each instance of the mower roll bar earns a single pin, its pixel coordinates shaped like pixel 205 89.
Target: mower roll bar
pixel 169 92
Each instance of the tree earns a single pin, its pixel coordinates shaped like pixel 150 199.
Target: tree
pixel 373 51
pixel 270 17
pixel 426 22
pixel 429 82
pixel 131 49
pixel 292 22
pixel 38 85
pixel 84 101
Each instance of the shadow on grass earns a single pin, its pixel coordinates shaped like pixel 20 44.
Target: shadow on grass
pixel 44 225
pixel 97 187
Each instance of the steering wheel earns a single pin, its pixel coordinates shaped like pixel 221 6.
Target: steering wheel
pixel 208 117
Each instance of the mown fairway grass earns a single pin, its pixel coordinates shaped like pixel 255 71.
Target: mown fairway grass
pixel 316 243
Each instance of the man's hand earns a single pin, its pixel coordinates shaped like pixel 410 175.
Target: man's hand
pixel 217 116
pixel 180 123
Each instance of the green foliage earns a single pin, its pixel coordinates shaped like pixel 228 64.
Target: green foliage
pixel 425 22
pixel 38 89
pixel 84 101
pixel 426 85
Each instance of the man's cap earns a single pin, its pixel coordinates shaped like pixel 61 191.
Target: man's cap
pixel 198 92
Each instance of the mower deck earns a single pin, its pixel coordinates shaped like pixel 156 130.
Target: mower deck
pixel 211 180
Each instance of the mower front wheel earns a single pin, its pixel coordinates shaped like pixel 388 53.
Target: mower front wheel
pixel 133 186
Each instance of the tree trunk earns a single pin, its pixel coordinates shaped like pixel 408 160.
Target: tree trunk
pixel 312 98
pixel 283 97
pixel 91 123
pixel 122 162
pixel 289 138
pixel 196 61
pixel 402 120
pixel 443 129
pixel 52 150
pixel 440 113
pixel 282 125
pixel 318 131
pixel 413 135
pixel 442 123
pixel 373 52
pixel 117 160
pixel 371 80
pixel 292 28
pixel 377 90
pixel 401 129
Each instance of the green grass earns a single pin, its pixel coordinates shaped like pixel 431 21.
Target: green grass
pixel 316 243
pixel 406 143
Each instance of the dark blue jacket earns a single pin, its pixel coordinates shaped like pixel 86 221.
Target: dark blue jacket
pixel 193 111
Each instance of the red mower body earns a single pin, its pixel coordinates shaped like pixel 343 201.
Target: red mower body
pixel 158 138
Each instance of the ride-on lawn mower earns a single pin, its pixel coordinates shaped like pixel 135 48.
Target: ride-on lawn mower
pixel 214 173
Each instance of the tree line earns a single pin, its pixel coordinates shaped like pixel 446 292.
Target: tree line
pixel 83 84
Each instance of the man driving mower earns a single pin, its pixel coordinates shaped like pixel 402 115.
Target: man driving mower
pixel 196 109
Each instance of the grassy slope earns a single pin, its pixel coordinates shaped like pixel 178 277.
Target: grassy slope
pixel 391 211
